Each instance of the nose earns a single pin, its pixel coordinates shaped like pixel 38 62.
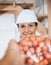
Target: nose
pixel 26 30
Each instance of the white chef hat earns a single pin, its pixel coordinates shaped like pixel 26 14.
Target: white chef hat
pixel 26 15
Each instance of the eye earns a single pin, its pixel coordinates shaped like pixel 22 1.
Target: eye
pixel 30 25
pixel 22 26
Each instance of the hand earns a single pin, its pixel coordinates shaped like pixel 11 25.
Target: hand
pixel 12 56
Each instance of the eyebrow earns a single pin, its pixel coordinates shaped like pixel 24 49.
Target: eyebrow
pixel 22 25
pixel 31 24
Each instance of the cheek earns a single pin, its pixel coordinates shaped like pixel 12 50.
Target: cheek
pixel 33 29
pixel 21 30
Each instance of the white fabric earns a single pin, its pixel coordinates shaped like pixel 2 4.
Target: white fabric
pixel 17 34
pixel 26 15
pixel 7 32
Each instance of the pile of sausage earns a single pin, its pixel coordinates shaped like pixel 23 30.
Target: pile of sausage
pixel 36 50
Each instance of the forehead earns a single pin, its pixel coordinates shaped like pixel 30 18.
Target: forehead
pixel 26 23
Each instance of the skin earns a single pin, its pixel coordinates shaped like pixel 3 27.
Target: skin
pixel 27 29
pixel 12 57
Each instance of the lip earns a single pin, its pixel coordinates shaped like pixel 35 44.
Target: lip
pixel 27 34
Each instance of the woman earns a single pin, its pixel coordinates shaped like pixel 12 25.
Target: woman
pixel 27 23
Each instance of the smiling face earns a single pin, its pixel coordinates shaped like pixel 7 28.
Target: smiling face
pixel 27 29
